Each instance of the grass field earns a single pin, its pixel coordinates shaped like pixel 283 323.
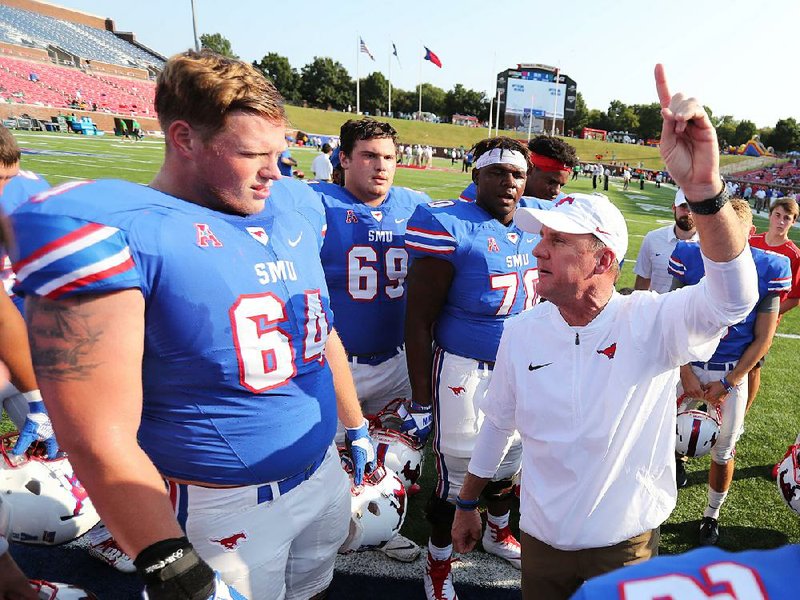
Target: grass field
pixel 754 515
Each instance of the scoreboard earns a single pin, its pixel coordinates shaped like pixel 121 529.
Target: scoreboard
pixel 538 92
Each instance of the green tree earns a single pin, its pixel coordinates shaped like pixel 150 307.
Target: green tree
pixel 464 101
pixel 280 72
pixel 581 117
pixel 433 99
pixel 767 136
pixel 786 136
pixel 218 43
pixel 325 83
pixel 621 117
pixel 649 120
pixel 374 93
pixel 744 131
pixel 726 130
pixel 597 119
pixel 404 101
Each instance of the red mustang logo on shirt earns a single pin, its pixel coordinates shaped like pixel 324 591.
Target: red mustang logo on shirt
pixel 566 199
pixel 609 352
pixel 457 391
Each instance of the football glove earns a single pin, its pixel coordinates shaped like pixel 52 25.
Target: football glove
pixel 37 427
pixel 417 420
pixel 172 570
pixel 362 453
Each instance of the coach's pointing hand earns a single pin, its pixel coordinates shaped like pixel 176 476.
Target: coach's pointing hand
pixel 688 142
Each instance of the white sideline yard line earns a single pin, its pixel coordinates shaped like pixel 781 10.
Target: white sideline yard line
pixel 476 568
pixel 92 164
pixel 789 336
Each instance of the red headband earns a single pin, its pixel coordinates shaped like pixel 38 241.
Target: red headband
pixel 545 163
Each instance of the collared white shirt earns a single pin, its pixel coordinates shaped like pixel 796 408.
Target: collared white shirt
pixel 595 406
pixel 657 247
pixel 322 167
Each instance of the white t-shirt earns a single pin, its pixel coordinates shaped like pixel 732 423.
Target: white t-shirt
pixel 657 247
pixel 322 167
pixel 595 405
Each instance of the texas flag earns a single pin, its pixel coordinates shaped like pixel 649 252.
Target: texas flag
pixel 432 57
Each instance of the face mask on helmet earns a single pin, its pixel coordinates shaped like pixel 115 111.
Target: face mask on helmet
pixel 48 590
pixel 399 452
pixel 377 509
pixel 696 432
pixel 789 478
pixel 48 505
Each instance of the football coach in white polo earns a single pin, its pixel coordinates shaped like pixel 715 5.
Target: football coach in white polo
pixel 588 377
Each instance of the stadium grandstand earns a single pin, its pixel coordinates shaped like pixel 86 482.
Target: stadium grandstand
pixel 54 59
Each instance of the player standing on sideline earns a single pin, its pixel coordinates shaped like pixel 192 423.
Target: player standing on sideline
pixel 722 380
pixel 472 270
pixel 588 378
pixel 782 215
pixel 552 160
pixel 365 264
pixel 199 306
pixel 657 246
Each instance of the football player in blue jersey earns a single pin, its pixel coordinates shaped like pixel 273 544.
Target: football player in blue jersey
pixel 472 269
pixel 722 381
pixel 182 336
pixel 552 160
pixel 365 263
pixel 704 573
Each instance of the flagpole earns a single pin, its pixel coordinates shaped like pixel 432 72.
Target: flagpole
pixel 491 104
pixel 530 120
pixel 358 83
pixel 390 84
pixel 555 105
pixel 497 115
pixel 419 112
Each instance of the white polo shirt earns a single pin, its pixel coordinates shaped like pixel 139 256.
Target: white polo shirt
pixel 322 167
pixel 595 405
pixel 657 247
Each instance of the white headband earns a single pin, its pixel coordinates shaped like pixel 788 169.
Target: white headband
pixel 502 156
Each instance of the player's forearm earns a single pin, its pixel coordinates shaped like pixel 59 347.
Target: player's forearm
pixel 472 487
pixel 789 304
pixel 641 283
pixel 128 493
pixel 15 352
pixel 347 406
pixel 419 360
pixel 765 326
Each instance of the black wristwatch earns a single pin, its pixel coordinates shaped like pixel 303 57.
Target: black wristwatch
pixel 710 206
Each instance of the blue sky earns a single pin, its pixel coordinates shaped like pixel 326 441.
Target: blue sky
pixel 736 56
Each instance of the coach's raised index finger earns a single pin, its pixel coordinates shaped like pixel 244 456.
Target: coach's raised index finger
pixel 662 87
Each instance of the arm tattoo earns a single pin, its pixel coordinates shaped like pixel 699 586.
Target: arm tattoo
pixel 61 335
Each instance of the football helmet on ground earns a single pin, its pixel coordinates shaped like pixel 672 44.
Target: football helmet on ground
pixel 789 478
pixel 49 590
pixel 696 430
pixel 378 508
pixel 48 504
pixel 399 452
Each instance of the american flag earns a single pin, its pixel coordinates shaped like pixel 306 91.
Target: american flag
pixel 365 50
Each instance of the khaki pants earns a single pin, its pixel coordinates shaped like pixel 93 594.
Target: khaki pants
pixel 552 574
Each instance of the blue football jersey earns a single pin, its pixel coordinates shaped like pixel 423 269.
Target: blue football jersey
pixel 774 277
pixel 705 573
pixel 470 192
pixel 16 192
pixel 236 389
pixel 365 264
pixel 494 277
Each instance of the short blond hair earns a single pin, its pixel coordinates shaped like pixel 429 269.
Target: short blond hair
pixel 742 210
pixel 202 88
